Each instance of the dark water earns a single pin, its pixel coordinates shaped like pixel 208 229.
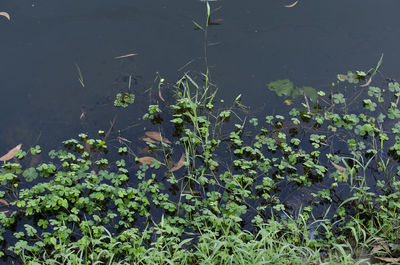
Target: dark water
pixel 257 42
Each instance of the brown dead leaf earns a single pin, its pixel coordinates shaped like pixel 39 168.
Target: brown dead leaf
pixel 293 4
pixel 5 14
pixel 122 139
pixel 146 160
pixel 10 153
pixel 389 260
pixel 381 246
pixel 340 168
pixel 179 164
pixel 148 139
pixel 157 136
pixel 125 55
pixel 4 202
pixel 160 96
pixel 35 160
pixel 367 83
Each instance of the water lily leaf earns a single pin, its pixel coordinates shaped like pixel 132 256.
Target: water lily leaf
pixel 10 153
pixel 157 136
pixel 179 164
pixel 5 14
pixel 282 87
pixel 293 4
pixel 147 160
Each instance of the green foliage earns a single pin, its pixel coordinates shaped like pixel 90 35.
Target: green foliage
pixel 124 99
pixel 224 201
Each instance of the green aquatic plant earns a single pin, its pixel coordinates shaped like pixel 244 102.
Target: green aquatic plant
pixel 94 201
pixel 124 99
pixel 286 88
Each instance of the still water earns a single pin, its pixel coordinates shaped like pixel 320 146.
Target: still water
pixel 257 41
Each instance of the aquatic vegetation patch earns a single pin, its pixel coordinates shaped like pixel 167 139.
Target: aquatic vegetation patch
pixel 316 185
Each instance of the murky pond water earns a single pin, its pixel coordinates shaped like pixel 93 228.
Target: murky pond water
pixel 45 42
pixel 59 74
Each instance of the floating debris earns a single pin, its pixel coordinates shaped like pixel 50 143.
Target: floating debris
pixel 125 55
pixel 157 136
pixel 5 14
pixel 293 4
pixel 10 153
pixel 179 164
pixel 147 160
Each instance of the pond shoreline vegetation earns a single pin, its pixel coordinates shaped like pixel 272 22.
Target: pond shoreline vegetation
pixel 214 184
pixel 221 202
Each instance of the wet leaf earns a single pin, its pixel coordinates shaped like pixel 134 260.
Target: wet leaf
pixel 157 136
pixel 10 153
pixel 342 77
pixel 381 246
pixel 340 168
pixel 281 87
pixel 367 83
pixel 148 140
pixel 179 164
pixel 390 260
pixel 5 14
pixel 160 96
pixel 125 55
pixel 310 93
pixel 293 4
pixel 4 202
pixel 122 139
pixel 147 160
pixel 287 102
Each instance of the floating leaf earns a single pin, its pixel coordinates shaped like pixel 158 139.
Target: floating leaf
pixel 342 77
pixel 10 153
pixel 288 102
pixel 157 136
pixel 367 83
pixel 310 93
pixel 147 160
pixel 160 96
pixel 340 168
pixel 5 14
pixel 179 164
pixel 293 4
pixel 125 55
pixel 4 202
pixel 281 87
pixel 122 139
pixel 148 140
